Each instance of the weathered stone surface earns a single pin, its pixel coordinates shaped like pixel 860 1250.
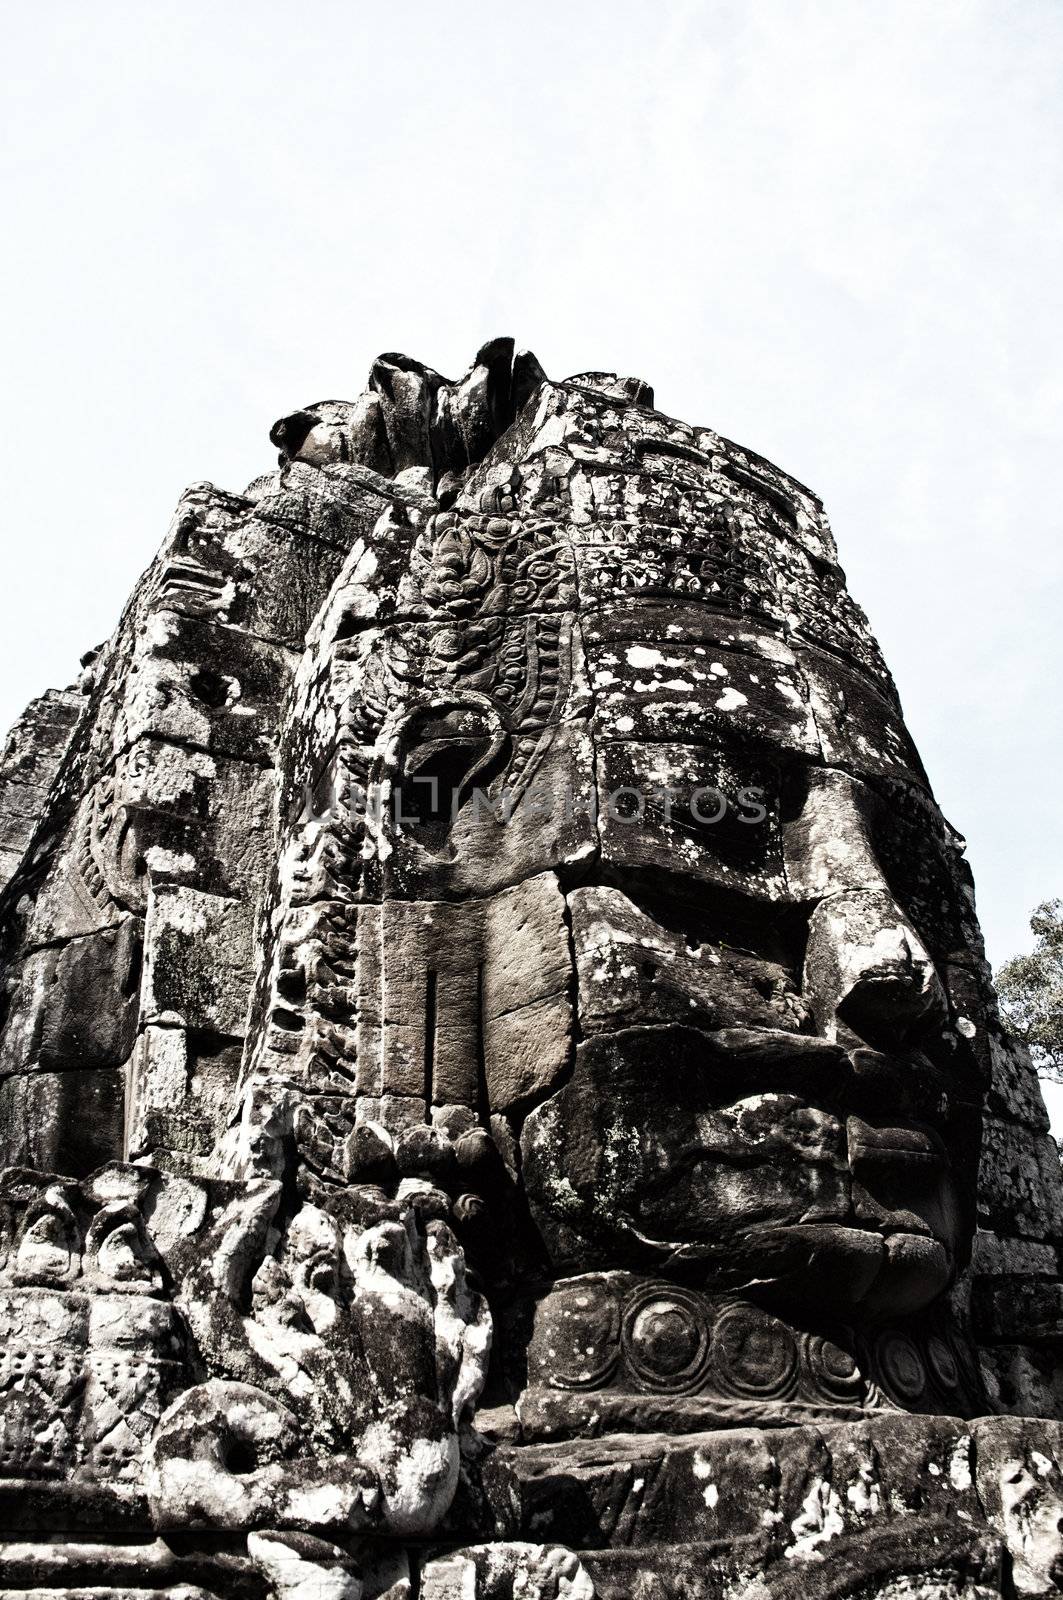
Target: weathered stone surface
pixel 161 1114
pixel 1014 1089
pixel 1019 1484
pixel 496 1571
pixel 500 1089
pixel 465 1003
pixel 198 960
pixel 68 1121
pixel 1020 1190
pixel 633 969
pixel 1021 1380
pixel 1013 1308
pixel 30 761
pixel 994 1255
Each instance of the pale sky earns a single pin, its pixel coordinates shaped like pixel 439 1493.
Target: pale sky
pixel 833 231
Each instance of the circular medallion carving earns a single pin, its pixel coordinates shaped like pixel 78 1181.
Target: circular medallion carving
pixel 833 1372
pixel 900 1367
pixel 576 1342
pixel 665 1339
pixel 943 1365
pixel 754 1354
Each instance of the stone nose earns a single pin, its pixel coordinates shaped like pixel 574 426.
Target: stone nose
pixel 867 969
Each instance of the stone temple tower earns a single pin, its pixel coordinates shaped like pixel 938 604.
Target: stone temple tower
pixel 501 1094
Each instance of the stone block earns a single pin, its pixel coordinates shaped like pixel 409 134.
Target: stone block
pixel 197 960
pixel 68 1122
pixel 1020 1190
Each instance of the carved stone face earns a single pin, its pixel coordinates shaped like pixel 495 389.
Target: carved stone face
pixel 768 1088
pixel 490 918
pixel 766 1083
pixel 702 965
pixel 487 916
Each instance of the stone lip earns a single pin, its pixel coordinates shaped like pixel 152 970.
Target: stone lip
pixel 766 1186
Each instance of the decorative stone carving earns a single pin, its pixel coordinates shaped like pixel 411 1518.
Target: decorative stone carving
pixel 500 1088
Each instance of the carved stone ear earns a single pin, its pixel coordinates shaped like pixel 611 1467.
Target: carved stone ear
pixel 446 753
pixel 48 1246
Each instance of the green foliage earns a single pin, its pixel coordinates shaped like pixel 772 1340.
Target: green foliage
pixel 1031 991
